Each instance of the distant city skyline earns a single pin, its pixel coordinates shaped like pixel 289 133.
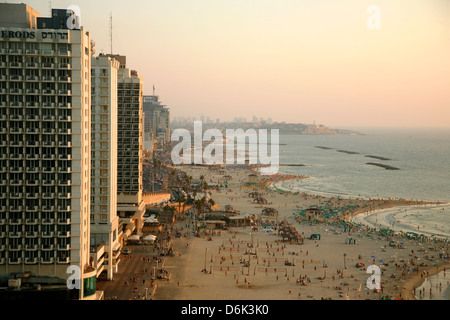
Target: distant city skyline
pixel 288 60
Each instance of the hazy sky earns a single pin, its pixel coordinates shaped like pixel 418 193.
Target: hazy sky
pixel 291 60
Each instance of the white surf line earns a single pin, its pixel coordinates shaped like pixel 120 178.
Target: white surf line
pixel 388 215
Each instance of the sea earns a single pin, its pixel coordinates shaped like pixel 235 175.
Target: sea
pixel 421 155
pixel 337 165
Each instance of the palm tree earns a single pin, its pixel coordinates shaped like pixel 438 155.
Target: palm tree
pixel 166 210
pixel 202 182
pixel 187 180
pixel 181 200
pixel 199 205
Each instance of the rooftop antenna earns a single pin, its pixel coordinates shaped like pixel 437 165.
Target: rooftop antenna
pixel 50 8
pixel 110 32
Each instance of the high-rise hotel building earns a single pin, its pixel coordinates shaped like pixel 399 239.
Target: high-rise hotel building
pixel 106 229
pixel 45 146
pixel 130 135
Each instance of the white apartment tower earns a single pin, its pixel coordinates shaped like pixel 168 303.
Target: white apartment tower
pixel 130 139
pixel 45 146
pixel 105 227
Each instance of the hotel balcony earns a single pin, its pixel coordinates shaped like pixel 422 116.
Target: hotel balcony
pixel 2 247
pixel 48 78
pixel 63 234
pixel 48 183
pixel 48 157
pixel 15 208
pixel 32 91
pixel 49 131
pixel 48 208
pixel 34 52
pixel 15 51
pixel 15 130
pixel 65 79
pixel 15 234
pixel 48 221
pixel 64 221
pixel 48 170
pixel 48 234
pixel 65 105
pixel 65 169
pixel 33 143
pixel 15 91
pixel 64 92
pixel 15 77
pixel 48 104
pixel 64 66
pixel 31 260
pixel 64 208
pixel 48 118
pixel 15 222
pixel 15 64
pixel 64 156
pixel 31 247
pixel 32 77
pixel 48 65
pixel 48 195
pixel 62 260
pixel 31 222
pixel 64 247
pixel 16 195
pixel 64 195
pixel 32 182
pixel 3 234
pixel 2 260
pixel 49 92
pixel 17 247
pixel 14 260
pixel 32 65
pixel 64 182
pixel 31 234
pixel 16 156
pixel 32 208
pixel 64 131
pixel 65 118
pixel 67 144
pixel 31 130
pixel 32 104
pixel 64 53
pixel 47 260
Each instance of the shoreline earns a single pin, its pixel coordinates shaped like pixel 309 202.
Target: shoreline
pixel 416 281
pixel 190 283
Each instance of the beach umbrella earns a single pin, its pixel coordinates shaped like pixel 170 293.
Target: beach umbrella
pixel 373 257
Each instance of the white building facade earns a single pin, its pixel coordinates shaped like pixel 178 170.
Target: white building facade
pixel 105 225
pixel 45 151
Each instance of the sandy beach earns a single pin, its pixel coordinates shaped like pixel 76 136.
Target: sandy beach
pixel 243 263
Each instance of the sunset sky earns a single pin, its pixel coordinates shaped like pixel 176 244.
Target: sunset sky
pixel 291 60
